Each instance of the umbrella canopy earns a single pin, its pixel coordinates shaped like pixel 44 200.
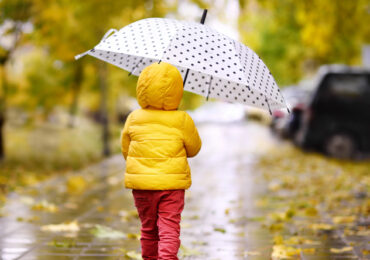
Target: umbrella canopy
pixel 219 67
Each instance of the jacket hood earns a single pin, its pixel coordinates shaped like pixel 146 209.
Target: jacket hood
pixel 160 86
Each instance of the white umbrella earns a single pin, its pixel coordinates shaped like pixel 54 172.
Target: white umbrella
pixel 212 64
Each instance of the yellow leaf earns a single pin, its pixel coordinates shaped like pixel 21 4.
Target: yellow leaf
pixel 311 211
pixel 309 250
pixel 297 240
pixel 133 255
pixel 321 226
pixel 64 227
pixel 276 227
pixel 133 236
pixel 341 250
pixel 278 240
pixel 45 206
pixel 284 252
pixel 344 219
pixel 76 184
pixel 251 253
pixel 185 252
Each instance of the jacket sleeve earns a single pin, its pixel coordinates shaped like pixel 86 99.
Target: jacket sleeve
pixel 192 140
pixel 125 138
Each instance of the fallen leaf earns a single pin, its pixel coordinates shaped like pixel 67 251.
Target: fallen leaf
pixel 128 215
pixel 30 219
pixel 298 240
pixel 221 230
pixel 64 227
pixel 309 251
pixel 63 243
pixel 284 252
pixel 27 200
pixel 185 251
pixel 199 243
pixel 101 231
pixel 45 206
pixel 76 184
pixel 341 250
pixel 251 253
pixel 133 236
pixel 344 219
pixel 321 226
pixel 133 255
pixel 276 227
pixel 185 225
pixel 261 218
pixel 311 211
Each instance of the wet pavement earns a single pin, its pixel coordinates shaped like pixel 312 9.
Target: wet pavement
pixel 218 220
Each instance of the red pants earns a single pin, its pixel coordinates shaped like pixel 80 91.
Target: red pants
pixel 160 215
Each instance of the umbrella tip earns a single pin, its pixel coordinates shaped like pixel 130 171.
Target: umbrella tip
pixel 79 56
pixel 204 16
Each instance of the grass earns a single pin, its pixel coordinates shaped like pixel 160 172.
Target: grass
pixel 35 152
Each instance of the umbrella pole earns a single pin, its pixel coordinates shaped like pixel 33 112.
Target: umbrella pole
pixel 202 20
pixel 209 88
pixel 268 105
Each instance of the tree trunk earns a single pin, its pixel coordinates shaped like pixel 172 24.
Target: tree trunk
pixel 2 109
pixel 76 90
pixel 2 144
pixel 103 107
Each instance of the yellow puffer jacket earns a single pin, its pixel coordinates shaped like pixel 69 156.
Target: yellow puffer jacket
pixel 157 139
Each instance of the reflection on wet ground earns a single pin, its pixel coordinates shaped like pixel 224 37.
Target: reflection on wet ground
pixel 218 220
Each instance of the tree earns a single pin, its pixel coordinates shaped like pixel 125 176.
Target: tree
pixel 69 27
pixel 295 37
pixel 14 15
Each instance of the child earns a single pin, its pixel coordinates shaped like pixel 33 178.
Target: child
pixel 156 141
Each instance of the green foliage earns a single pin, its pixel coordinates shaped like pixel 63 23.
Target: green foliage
pixel 46 83
pixel 16 10
pixel 295 37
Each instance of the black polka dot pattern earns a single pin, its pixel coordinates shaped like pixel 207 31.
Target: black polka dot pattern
pixel 220 67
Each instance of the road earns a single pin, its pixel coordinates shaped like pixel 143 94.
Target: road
pixel 216 221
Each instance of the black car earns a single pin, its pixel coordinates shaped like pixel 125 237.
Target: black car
pixel 337 120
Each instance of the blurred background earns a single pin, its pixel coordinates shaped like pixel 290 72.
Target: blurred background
pixel 296 185
pixel 58 114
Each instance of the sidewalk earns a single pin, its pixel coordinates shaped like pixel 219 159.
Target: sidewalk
pixel 217 220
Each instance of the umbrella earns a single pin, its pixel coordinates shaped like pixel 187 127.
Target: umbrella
pixel 212 64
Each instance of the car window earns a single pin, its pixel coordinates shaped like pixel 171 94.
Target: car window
pixel 347 86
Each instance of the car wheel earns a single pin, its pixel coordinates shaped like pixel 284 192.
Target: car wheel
pixel 340 145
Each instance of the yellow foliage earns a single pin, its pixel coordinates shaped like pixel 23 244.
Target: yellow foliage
pixel 76 184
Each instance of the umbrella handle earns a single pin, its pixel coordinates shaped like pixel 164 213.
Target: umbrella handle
pixel 106 35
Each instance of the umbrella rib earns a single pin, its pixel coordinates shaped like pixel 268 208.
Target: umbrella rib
pixel 209 88
pixel 135 67
pixel 202 20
